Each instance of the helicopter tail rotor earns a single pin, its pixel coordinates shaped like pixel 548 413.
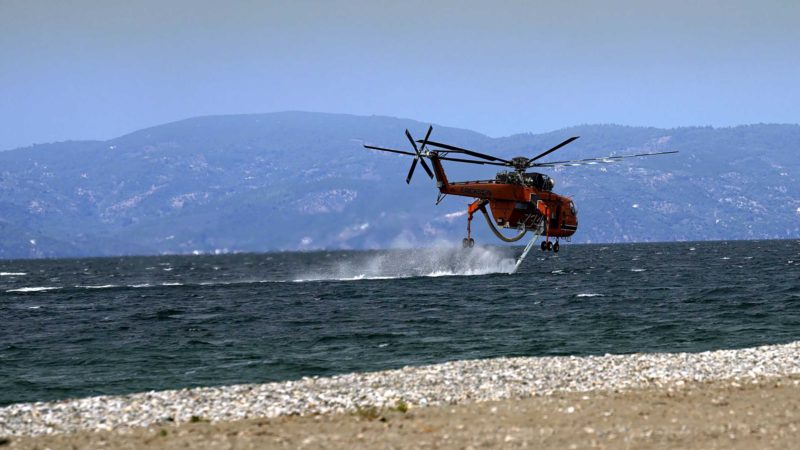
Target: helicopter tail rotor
pixel 419 153
pixel 418 157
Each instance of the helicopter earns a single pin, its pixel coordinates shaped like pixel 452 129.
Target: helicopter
pixel 518 199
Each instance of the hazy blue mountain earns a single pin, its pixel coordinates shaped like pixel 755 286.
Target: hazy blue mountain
pixel 289 181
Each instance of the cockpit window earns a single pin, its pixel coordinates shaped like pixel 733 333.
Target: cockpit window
pixel 539 181
pixel 573 209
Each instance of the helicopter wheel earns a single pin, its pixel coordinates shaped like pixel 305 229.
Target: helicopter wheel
pixel 465 243
pixel 549 245
pixel 544 246
pixel 555 247
pixel 471 243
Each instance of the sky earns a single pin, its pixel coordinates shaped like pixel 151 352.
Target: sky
pixel 98 69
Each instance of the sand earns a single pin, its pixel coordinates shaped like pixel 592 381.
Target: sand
pixel 759 413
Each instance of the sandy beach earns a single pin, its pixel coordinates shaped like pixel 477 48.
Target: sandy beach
pixel 745 398
pixel 763 413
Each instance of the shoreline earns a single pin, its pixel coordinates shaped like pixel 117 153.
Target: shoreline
pixel 452 383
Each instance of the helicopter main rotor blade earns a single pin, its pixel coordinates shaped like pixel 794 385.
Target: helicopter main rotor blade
pixel 453 148
pixel 551 150
pixel 389 150
pixel 422 149
pixel 472 161
pixel 593 161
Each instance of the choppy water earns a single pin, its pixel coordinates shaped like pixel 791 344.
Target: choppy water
pixel 72 328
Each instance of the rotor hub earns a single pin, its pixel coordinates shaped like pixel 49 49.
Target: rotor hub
pixel 520 163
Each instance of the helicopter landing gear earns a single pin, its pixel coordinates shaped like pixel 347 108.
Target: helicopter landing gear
pixel 468 242
pixel 549 246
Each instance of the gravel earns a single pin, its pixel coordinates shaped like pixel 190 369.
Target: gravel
pixel 447 383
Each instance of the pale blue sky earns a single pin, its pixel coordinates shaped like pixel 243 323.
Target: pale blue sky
pixel 97 69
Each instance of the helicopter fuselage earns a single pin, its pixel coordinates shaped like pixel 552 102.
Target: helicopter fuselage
pixel 516 199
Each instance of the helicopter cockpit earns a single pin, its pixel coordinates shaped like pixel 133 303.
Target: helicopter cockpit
pixel 539 181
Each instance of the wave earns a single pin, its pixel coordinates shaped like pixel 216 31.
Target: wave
pixel 34 289
pixel 589 295
pixel 399 264
pixel 12 274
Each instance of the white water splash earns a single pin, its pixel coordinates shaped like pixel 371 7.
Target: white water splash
pixel 440 261
pixel 12 274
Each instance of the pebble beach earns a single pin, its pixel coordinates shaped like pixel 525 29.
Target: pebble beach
pixel 451 383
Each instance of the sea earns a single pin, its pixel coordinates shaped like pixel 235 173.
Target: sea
pixel 82 327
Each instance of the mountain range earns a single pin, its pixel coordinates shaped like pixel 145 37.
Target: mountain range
pixel 303 181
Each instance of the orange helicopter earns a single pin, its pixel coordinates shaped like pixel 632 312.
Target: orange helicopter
pixel 519 200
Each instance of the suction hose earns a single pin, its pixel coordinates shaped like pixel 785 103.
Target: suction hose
pixel 497 232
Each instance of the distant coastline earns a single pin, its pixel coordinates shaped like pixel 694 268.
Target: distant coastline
pixel 297 181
